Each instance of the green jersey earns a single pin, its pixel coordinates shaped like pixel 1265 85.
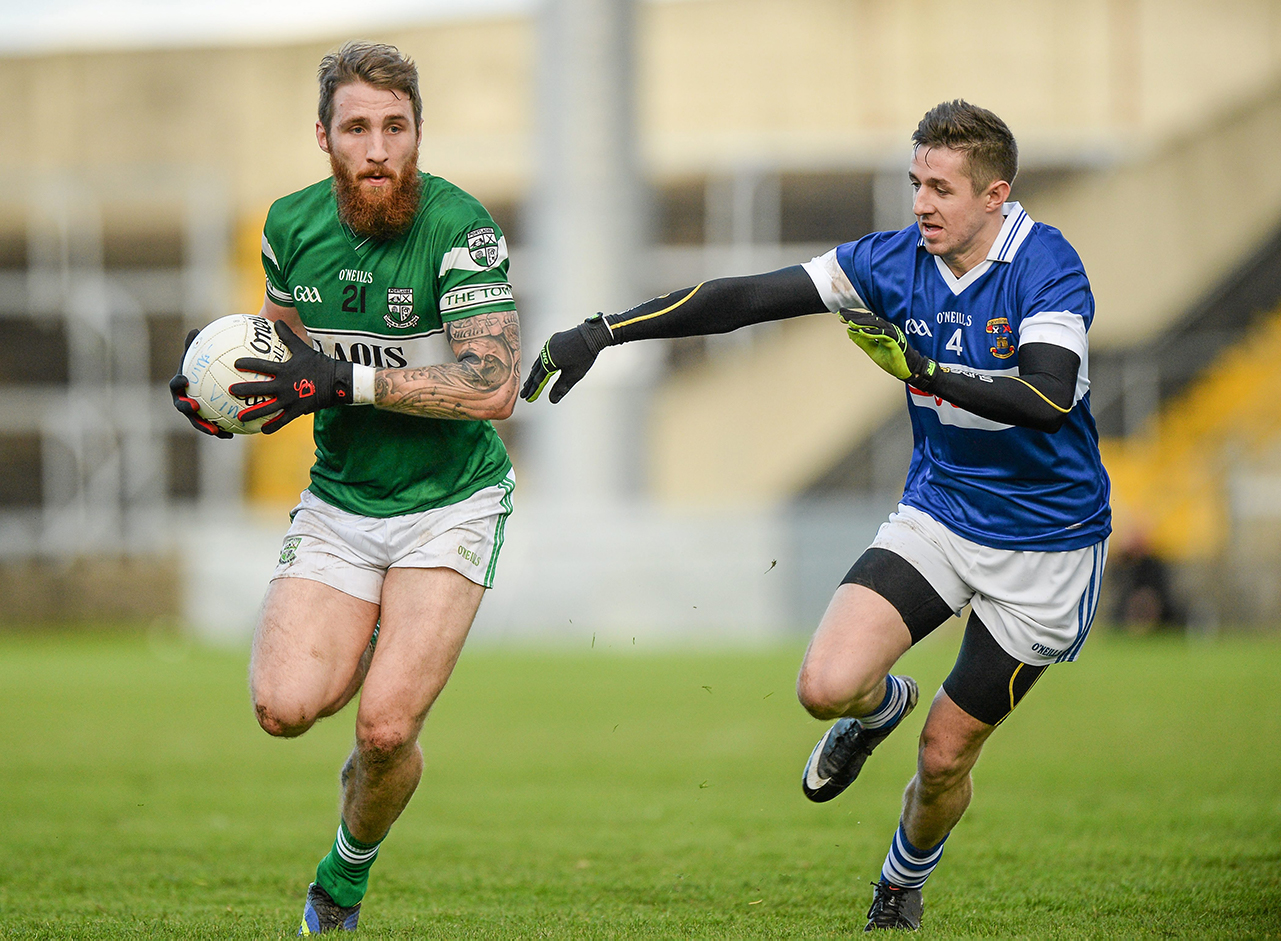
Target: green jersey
pixel 385 304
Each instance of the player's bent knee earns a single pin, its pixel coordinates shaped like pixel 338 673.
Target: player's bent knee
pixel 825 696
pixel 281 719
pixel 817 704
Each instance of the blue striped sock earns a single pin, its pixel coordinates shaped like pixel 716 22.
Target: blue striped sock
pixel 907 867
pixel 891 708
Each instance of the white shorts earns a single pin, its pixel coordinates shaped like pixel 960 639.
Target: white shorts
pixel 1037 605
pixel 353 553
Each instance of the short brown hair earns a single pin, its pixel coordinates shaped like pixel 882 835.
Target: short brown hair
pixel 989 148
pixel 373 63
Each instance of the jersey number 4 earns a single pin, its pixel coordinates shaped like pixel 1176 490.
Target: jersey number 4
pixel 351 294
pixel 953 344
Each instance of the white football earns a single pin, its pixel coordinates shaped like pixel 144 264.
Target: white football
pixel 210 367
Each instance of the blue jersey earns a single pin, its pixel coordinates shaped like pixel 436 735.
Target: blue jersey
pixel 995 484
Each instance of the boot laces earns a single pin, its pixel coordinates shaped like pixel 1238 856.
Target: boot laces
pixel 886 909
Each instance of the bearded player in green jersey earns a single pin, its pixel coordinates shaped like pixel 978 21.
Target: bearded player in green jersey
pixel 400 280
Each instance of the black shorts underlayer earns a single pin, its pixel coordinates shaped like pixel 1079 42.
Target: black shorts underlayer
pixel 986 682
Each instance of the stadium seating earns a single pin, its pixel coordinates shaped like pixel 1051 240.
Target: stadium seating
pixel 1174 482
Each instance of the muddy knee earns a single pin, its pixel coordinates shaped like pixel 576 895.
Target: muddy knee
pixel 282 718
pixel 383 743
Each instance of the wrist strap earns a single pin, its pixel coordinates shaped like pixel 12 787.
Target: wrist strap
pixel 923 374
pixel 362 385
pixel 596 333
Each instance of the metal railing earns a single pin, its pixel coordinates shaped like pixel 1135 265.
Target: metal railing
pixel 107 434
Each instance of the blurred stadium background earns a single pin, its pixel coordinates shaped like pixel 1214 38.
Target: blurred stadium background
pixel 702 490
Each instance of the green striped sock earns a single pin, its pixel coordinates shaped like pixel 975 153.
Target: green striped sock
pixel 344 873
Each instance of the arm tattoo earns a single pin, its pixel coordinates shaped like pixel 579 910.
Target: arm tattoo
pixel 481 385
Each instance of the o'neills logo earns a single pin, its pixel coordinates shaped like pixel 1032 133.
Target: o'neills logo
pixel 400 307
pixel 263 335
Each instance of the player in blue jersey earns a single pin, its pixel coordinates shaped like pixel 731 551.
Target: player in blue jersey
pixel 984 315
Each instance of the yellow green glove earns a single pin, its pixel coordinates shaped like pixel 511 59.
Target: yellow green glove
pixel 887 347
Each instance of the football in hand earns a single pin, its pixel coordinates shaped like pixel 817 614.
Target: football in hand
pixel 210 367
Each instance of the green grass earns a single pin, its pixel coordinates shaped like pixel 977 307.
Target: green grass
pixel 615 793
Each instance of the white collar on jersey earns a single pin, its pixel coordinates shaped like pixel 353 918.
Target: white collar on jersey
pixel 1014 230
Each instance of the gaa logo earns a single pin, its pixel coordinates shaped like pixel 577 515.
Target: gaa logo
pixel 482 245
pixel 918 327
pixel 303 293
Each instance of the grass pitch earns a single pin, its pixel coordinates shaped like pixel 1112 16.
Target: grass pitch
pixel 618 793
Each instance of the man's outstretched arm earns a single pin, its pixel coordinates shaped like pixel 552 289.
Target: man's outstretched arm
pixel 711 307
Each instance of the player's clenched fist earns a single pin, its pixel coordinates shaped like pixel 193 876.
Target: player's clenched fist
pixel 571 353
pixel 887 346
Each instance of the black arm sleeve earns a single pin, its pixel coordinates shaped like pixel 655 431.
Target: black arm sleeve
pixel 720 306
pixel 1040 396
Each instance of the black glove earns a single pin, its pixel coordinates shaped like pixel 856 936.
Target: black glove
pixel 571 353
pixel 887 346
pixel 306 382
pixel 186 404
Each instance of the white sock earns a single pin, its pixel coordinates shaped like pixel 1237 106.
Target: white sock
pixel 891 708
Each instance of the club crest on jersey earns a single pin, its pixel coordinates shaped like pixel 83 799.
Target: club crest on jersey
pixel 482 245
pixel 400 307
pixel 999 329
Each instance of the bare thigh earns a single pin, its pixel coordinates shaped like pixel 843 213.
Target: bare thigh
pixel 306 653
pixel 859 639
pixel 426 615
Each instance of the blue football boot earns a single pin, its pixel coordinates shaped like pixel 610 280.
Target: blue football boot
pixel 321 913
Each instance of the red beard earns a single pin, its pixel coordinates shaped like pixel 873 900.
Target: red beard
pixel 381 214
